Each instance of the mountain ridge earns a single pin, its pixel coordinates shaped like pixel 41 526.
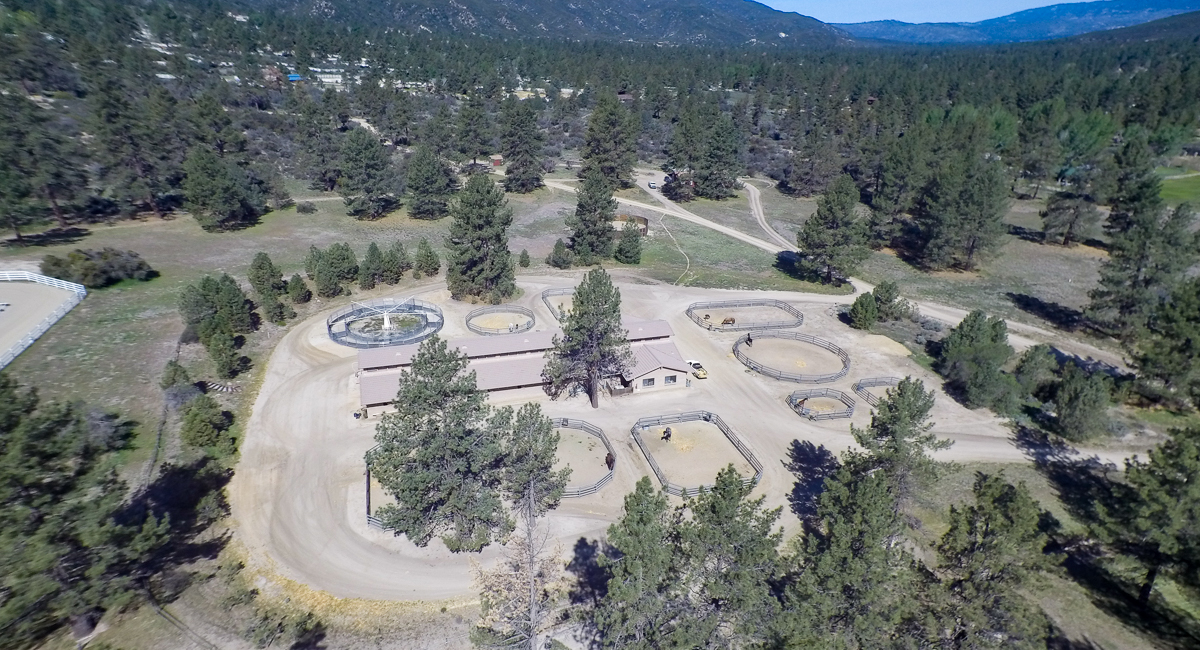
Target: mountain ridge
pixel 1043 23
pixel 678 22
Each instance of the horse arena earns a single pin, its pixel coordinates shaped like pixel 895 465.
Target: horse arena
pixel 29 305
pixel 298 495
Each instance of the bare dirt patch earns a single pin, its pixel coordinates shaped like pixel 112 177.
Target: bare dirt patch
pixel 29 304
pixel 584 454
pixel 746 315
pixel 501 320
pixel 695 453
pixel 793 356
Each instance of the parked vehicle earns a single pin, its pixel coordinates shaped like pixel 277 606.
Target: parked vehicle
pixel 697 369
pixel 652 185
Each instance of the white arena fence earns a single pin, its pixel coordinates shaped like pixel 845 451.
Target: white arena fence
pixel 78 292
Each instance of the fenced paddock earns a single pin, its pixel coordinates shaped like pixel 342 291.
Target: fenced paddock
pixel 353 326
pixel 645 424
pixel 775 373
pixel 861 386
pixel 799 403
pixel 575 491
pixel 33 309
pixel 526 320
pixel 556 291
pixel 697 310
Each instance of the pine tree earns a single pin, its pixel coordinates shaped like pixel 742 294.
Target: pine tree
pixel 971 358
pixel 440 456
pixel 1082 403
pixel 898 442
pixel 217 192
pixel 591 224
pixel 368 183
pixel 474 129
pixel 629 246
pixel 864 313
pixel 131 163
pixel 327 280
pixel 395 262
pixel 51 164
pixel 530 482
pixel 993 552
pixel 437 133
pixel 431 183
pixel 1168 354
pixel 716 173
pixel 964 211
pixel 426 262
pixel 1070 218
pixel 264 277
pixel 560 256
pixel 214 127
pixel 641 602
pixel 479 262
pixel 610 145
pixel 298 290
pixel 523 261
pixel 833 241
pixel 1149 255
pixel 222 349
pixel 371 269
pixel 1157 517
pixel 521 145
pixel 204 422
pixel 593 346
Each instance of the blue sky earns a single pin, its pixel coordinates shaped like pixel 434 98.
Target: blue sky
pixel 912 11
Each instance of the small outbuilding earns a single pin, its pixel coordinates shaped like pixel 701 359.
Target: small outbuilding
pixel 656 366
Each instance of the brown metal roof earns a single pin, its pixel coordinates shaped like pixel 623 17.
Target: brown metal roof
pixel 648 357
pixel 477 347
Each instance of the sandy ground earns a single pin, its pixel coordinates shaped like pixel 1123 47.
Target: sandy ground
pixel 794 356
pixel 298 493
pixel 584 454
pixel 746 315
pixel 823 404
pixel 695 453
pixel 501 320
pixel 31 303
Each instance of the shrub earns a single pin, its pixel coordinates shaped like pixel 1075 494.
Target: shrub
pixel 297 290
pixel 204 423
pixel 971 358
pixel 96 269
pixel 864 313
pixel 629 246
pixel 427 261
pixel 1082 400
pixel 524 260
pixel 560 257
pixel 306 207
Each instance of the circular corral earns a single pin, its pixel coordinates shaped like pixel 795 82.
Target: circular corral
pixel 821 403
pixel 862 385
pixel 592 472
pixel 501 319
pixel 701 443
pixel 826 361
pixel 744 315
pixel 555 301
pixel 384 322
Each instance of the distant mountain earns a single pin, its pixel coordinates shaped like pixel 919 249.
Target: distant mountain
pixel 697 22
pixel 1056 21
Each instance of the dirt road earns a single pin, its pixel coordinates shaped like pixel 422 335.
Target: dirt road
pixel 298 493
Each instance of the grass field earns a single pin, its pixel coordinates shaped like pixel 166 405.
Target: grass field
pixel 1183 189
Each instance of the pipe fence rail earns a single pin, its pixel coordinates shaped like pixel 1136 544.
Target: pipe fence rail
pixel 798 402
pixel 861 386
pixel 796 321
pixel 573 492
pixel 501 309
pixel 775 373
pixel 338 323
pixel 557 291
pixel 692 416
pixel 78 293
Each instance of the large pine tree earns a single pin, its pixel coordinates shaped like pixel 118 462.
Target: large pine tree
pixel 591 224
pixel 474 129
pixel 368 184
pixel 431 183
pixel 521 145
pixel 834 240
pixel 610 145
pixel 480 264
pixel 440 456
pixel 593 346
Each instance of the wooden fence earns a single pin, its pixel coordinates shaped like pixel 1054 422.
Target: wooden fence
pixel 501 309
pixel 861 386
pixel 796 320
pixel 692 416
pixel 799 404
pixel 775 373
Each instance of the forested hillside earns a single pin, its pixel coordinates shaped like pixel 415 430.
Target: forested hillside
pixel 199 110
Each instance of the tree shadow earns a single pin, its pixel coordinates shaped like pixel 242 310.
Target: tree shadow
pixel 311 640
pixel 1064 318
pixel 1092 492
pixel 811 465
pixel 52 237
pixel 1028 234
pixel 590 579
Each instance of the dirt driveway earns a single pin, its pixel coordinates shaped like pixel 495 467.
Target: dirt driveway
pixel 298 494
